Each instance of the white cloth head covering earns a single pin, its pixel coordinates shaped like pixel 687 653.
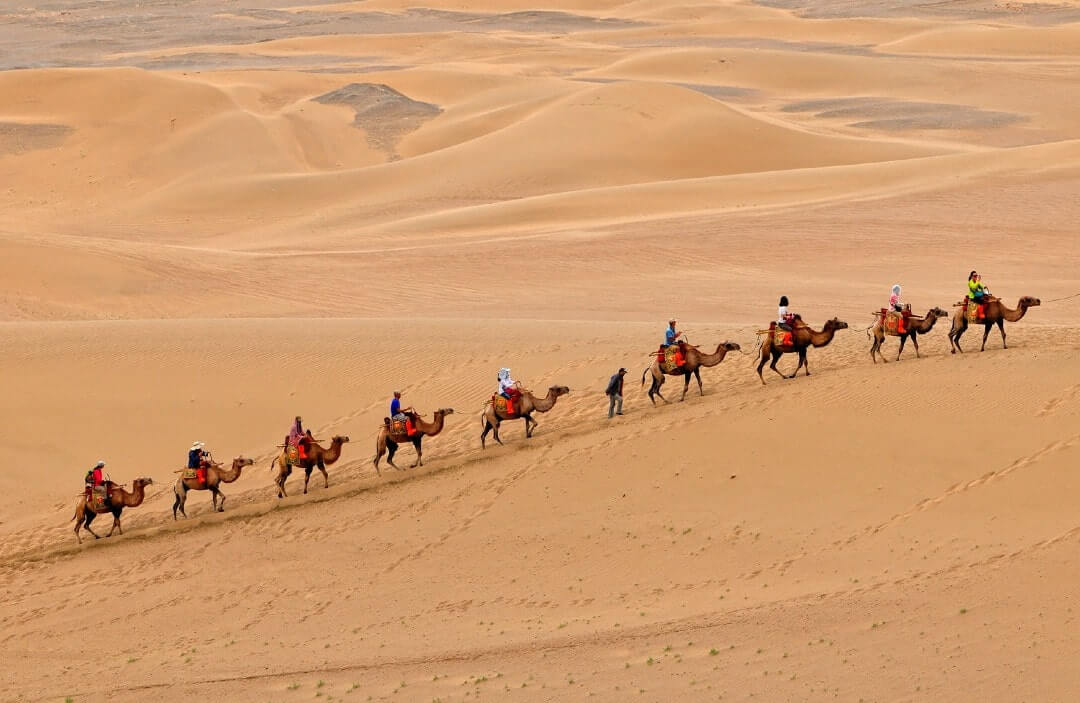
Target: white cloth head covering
pixel 197 445
pixel 99 465
pixel 504 374
pixel 896 288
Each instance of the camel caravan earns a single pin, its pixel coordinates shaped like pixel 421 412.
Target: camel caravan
pixel 788 334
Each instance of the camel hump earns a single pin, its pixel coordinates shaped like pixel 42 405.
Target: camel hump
pixel 386 421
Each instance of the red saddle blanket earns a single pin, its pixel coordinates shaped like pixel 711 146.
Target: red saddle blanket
pixel 504 405
pixel 893 322
pixel 780 336
pixel 99 497
pixel 670 357
pixel 402 427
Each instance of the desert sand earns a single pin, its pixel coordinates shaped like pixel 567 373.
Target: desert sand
pixel 216 216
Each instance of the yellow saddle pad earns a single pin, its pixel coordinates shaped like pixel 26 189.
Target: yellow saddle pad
pixel 779 336
pixel 892 322
pixel 189 474
pixel 972 311
pixel 292 456
pixel 398 427
pixel 500 403
pixel 670 359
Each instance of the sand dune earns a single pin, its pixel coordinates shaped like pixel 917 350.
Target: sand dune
pixel 215 218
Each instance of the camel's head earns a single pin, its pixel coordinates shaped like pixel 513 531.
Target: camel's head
pixel 143 482
pixel 340 438
pixel 836 324
pixel 731 346
pixel 937 313
pixel 444 411
pixel 243 461
pixel 1029 302
pixel 559 390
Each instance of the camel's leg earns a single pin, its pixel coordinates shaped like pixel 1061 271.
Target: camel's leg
pixel 380 449
pixel 903 341
pixel 495 430
pixel 915 343
pixel 986 333
pixel 181 497
pixel 218 495
pixel 282 477
pixel 483 435
pixel 419 453
pixel 775 358
pixel 115 524
pixel 764 358
pixel 530 425
pixel 802 362
pixel 658 382
pixel 954 337
pixel 391 449
pixel 874 346
pixel 1001 328
pixel 89 519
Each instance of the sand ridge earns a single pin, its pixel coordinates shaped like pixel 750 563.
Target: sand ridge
pixel 217 216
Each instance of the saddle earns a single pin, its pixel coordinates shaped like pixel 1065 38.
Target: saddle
pixel 974 312
pixel 189 474
pixel 99 498
pixel 892 322
pixel 292 455
pixel 780 336
pixel 503 405
pixel 402 428
pixel 670 357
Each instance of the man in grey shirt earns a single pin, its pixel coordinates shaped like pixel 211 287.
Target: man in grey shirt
pixel 614 393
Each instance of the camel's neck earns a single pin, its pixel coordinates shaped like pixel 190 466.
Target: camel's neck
pixel 714 358
pixel 927 323
pixel 820 339
pixel 546 403
pixel 135 498
pixel 1012 315
pixel 231 474
pixel 333 453
pixel 431 428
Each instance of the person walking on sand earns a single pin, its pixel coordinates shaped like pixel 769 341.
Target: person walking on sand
pixel 614 393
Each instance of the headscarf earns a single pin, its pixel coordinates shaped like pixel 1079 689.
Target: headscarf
pixel 896 289
pixel 504 374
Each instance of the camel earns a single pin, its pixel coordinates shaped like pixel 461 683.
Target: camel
pixel 803 337
pixel 388 441
pixel 915 327
pixel 996 314
pixel 317 457
pixel 215 476
pixel 695 359
pixel 527 405
pixel 118 500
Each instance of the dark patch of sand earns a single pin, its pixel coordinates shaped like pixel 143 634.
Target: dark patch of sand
pixel 382 112
pixel 86 33
pixel 1034 13
pixel 17 138
pixel 889 114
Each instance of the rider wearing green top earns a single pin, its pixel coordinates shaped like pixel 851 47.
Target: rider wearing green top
pixel 976 289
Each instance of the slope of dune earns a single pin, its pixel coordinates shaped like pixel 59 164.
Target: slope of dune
pixel 216 217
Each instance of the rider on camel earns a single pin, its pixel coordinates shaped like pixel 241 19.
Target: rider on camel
pixel 299 439
pixel 785 319
pixel 94 478
pixel 396 413
pixel 200 460
pixel 896 305
pixel 509 389
pixel 977 292
pixel 671 338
